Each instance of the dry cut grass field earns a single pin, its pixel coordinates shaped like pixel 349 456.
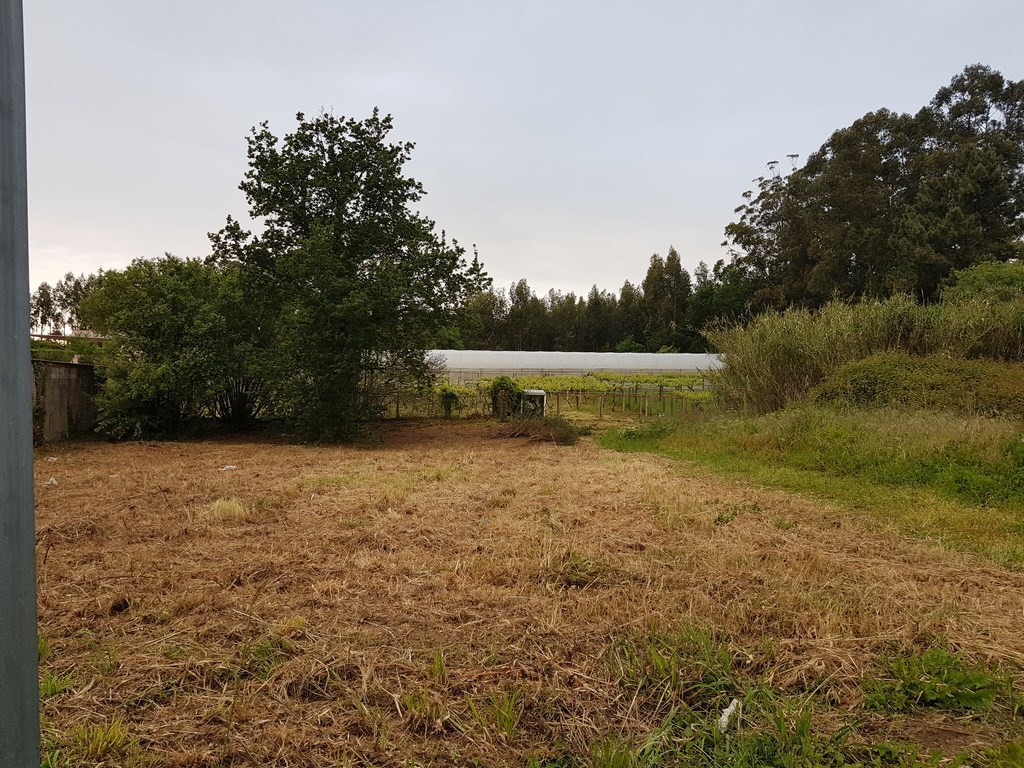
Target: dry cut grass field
pixel 448 598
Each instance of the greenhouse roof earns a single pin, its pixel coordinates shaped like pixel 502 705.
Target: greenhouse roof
pixel 490 361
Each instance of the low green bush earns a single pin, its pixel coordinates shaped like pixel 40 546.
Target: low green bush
pixel 982 387
pixel 506 397
pixel 449 399
pixel 779 357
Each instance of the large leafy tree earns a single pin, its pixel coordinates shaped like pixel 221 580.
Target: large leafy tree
pixel 892 203
pixel 356 281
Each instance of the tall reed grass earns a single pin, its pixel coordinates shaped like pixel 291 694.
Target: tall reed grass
pixel 780 356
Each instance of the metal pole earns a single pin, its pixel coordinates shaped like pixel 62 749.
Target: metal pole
pixel 19 673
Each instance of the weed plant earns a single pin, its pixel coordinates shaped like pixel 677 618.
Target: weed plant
pixel 935 678
pixel 107 743
pixel 53 684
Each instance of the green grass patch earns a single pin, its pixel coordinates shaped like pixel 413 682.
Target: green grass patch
pixel 108 743
pixel 955 479
pixel 764 729
pixel 51 684
pixel 689 664
pixel 258 659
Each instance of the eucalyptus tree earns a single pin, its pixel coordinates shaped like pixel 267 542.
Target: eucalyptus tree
pixel 892 203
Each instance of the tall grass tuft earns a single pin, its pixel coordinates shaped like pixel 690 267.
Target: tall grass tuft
pixel 780 356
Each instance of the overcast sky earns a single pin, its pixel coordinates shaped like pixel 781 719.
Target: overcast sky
pixel 568 140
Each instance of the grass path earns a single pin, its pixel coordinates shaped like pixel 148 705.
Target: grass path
pixel 924 475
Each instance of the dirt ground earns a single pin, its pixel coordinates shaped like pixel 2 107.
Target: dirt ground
pixel 251 602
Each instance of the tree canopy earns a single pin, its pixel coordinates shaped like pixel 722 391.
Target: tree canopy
pixel 354 283
pixel 894 202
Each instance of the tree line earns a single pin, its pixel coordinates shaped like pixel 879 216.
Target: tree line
pixel 314 320
pixel 56 309
pixel 666 312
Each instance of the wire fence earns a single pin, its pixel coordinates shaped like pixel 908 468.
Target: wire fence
pixel 637 403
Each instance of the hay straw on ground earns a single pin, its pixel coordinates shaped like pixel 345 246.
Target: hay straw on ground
pixel 304 635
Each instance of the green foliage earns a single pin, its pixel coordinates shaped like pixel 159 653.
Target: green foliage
pixel 343 259
pixel 958 479
pixel 438 669
pixel 779 357
pixel 1008 756
pixel 665 313
pixel 57 308
pixel 689 665
pixel 989 281
pixel 319 320
pixel 507 710
pixel 55 684
pixel 769 732
pixel 978 465
pixel 182 345
pixel 88 351
pixel 506 397
pixel 935 678
pixel 639 379
pixel 893 203
pixel 985 387
pixel 449 398
pixel 105 743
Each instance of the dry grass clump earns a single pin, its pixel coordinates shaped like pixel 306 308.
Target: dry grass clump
pixel 404 616
pixel 223 512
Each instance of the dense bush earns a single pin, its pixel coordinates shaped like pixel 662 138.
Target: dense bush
pixel 992 281
pixel 985 387
pixel 780 356
pixel 181 348
pixel 506 397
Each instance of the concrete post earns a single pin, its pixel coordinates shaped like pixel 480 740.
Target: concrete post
pixel 19 682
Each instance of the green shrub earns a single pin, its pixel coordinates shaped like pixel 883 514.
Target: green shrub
pixel 779 357
pixel 506 397
pixel 992 281
pixel 449 400
pixel 985 387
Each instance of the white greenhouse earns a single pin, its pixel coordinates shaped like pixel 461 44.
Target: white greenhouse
pixel 465 365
